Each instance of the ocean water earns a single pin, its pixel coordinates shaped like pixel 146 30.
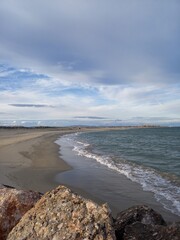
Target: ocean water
pixel 149 157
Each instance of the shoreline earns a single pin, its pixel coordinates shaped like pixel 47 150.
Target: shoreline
pixel 101 184
pixel 30 159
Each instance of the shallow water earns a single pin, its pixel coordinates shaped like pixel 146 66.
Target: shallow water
pixel 129 167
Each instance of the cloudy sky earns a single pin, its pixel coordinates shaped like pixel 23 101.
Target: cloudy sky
pixel 96 59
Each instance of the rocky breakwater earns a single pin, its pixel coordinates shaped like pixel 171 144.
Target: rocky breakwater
pixel 63 215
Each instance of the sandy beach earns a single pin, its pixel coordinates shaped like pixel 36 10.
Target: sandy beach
pixel 30 159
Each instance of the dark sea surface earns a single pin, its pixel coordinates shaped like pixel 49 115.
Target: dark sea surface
pixel 149 157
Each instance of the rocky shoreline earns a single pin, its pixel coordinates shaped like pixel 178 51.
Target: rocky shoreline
pixel 63 214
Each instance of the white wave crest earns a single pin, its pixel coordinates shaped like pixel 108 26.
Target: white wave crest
pixel 164 191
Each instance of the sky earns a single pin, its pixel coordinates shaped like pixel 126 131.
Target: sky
pixel 86 61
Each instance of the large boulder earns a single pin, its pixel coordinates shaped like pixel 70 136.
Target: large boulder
pixel 62 214
pixel 140 231
pixel 13 205
pixel 140 213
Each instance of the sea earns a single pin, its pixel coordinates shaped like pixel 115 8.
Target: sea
pixel 148 157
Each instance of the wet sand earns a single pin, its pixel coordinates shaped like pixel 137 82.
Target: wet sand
pixel 30 159
pixel 101 184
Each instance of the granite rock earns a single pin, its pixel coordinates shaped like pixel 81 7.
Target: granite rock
pixel 140 213
pixel 140 231
pixel 62 214
pixel 13 205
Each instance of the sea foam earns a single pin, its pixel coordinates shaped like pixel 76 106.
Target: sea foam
pixel 151 180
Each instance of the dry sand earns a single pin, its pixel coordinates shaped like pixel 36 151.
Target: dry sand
pixel 29 158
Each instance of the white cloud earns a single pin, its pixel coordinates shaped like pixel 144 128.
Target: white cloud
pixel 122 56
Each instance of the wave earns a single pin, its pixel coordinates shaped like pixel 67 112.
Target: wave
pixel 164 190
